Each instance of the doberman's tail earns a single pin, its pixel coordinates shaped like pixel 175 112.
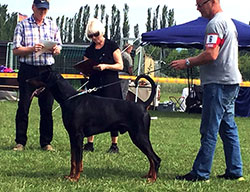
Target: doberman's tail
pixel 153 88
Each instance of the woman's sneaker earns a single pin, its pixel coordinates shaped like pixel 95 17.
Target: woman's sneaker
pixel 113 149
pixel 88 147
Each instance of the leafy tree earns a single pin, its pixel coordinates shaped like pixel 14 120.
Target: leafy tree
pixel 65 31
pixel 7 23
pixel 115 29
pixel 102 12
pixel 96 11
pixel 126 27
pixel 153 51
pixel 106 25
pixel 244 58
pixel 148 24
pixel 58 21
pixel 10 26
pixel 174 54
pixel 136 31
pixel 85 18
pixel 155 18
pixel 171 20
pixel 61 27
pixel 70 32
pixel 113 22
pixel 3 18
pixel 164 16
pixel 117 36
pixel 77 26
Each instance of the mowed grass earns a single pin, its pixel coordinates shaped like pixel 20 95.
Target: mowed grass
pixel 175 138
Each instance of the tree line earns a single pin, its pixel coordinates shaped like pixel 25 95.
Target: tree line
pixel 72 30
pixel 7 23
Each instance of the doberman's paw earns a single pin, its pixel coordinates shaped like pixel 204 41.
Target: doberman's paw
pixel 71 178
pixel 151 180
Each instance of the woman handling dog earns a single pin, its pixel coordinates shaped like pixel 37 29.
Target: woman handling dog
pixel 108 56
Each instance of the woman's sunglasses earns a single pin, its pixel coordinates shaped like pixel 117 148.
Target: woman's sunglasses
pixel 93 35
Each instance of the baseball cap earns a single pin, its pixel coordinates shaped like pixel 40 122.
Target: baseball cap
pixel 41 4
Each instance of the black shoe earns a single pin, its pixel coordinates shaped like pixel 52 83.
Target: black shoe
pixel 190 177
pixel 88 147
pixel 113 149
pixel 231 177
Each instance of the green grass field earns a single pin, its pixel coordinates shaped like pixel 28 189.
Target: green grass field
pixel 174 136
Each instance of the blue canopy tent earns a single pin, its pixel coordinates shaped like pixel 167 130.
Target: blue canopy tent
pixel 191 35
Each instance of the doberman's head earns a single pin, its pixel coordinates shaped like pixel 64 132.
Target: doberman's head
pixel 58 86
pixel 45 79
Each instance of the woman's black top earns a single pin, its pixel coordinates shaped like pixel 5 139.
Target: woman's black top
pixel 105 77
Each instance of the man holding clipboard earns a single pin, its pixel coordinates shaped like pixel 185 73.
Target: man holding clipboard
pixel 36 40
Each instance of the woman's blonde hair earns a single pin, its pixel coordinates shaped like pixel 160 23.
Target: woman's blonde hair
pixel 94 26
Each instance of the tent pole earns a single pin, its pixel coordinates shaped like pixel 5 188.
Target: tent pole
pixel 161 54
pixel 138 72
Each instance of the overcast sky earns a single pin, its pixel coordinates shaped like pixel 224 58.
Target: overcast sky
pixel 185 10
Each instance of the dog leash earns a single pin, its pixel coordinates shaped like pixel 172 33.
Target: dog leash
pixel 82 93
pixel 110 84
pixel 103 86
pixel 88 91
pixel 94 89
pixel 77 90
pixel 168 66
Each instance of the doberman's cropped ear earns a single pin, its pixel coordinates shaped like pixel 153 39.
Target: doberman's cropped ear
pixel 36 82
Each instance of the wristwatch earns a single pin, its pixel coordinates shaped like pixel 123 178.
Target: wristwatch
pixel 187 63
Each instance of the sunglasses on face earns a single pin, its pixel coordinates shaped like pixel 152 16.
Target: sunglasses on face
pixel 200 5
pixel 93 35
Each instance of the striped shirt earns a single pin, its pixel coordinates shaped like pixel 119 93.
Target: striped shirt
pixel 28 33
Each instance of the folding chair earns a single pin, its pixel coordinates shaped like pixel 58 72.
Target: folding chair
pixel 178 102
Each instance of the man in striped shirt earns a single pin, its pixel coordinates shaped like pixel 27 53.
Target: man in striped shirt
pixel 29 36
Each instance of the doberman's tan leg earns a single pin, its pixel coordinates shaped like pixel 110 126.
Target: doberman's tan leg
pixel 151 176
pixel 81 167
pixel 73 167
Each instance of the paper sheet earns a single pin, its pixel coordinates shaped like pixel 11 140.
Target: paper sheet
pixel 47 47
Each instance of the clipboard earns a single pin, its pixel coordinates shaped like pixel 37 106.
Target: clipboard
pixel 86 67
pixel 47 46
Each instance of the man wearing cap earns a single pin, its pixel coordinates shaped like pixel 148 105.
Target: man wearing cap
pixel 26 44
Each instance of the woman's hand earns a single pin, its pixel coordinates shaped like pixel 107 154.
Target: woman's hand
pixel 100 67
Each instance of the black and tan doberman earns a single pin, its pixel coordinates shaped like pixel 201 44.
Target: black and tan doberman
pixel 87 115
